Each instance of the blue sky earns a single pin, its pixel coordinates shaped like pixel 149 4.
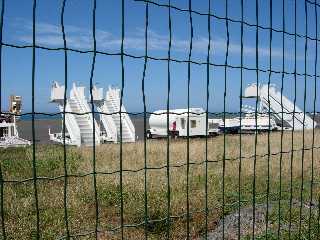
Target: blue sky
pixel 16 73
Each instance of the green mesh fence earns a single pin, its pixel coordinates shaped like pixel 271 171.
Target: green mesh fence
pixel 231 197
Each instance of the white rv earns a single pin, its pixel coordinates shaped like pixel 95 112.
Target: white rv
pixel 178 123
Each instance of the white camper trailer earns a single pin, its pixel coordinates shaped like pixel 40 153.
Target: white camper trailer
pixel 178 123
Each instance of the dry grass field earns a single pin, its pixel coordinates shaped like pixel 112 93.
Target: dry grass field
pixel 19 203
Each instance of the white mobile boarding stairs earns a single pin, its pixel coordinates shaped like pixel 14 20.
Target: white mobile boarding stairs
pixel 79 123
pixel 105 116
pixel 109 109
pixel 294 117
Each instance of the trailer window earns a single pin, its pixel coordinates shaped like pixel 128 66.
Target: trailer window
pixel 193 123
pixel 4 132
pixel 183 123
pixel 213 125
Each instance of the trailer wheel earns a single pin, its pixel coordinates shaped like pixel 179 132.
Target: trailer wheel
pixel 149 135
pixel 174 135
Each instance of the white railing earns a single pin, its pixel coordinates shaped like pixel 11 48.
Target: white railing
pixel 108 122
pixel 71 125
pixel 285 110
pixel 106 119
pixel 128 122
pixel 113 98
pixel 79 97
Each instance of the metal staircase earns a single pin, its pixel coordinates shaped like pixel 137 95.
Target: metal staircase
pixel 79 123
pixel 72 137
pixel 280 106
pixel 84 118
pixel 105 115
pixel 82 128
pixel 113 104
pixel 110 116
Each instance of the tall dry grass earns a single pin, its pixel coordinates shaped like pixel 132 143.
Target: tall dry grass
pixel 19 197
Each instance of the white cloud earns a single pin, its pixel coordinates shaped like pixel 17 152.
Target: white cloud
pixel 50 35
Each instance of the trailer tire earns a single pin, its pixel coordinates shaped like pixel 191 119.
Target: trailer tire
pixel 176 136
pixel 149 135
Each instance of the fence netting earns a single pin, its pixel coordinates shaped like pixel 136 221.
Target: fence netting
pixel 230 186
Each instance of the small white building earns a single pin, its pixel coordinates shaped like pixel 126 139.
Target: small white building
pixel 178 123
pixel 9 136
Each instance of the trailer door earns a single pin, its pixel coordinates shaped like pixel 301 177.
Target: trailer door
pixel 182 126
pixel 194 126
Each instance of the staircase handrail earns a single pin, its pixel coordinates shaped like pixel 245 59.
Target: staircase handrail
pixel 85 109
pixel 71 124
pixel 109 120
pixel 124 115
pixel 128 121
pixel 285 102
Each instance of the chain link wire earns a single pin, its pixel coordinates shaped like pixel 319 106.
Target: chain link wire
pixel 241 159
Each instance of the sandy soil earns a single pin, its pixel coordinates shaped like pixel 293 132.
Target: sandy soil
pixel 42 128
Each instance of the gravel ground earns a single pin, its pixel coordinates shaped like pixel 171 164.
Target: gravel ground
pixel 231 223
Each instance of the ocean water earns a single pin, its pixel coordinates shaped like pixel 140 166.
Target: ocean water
pixel 28 117
pixel 50 116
